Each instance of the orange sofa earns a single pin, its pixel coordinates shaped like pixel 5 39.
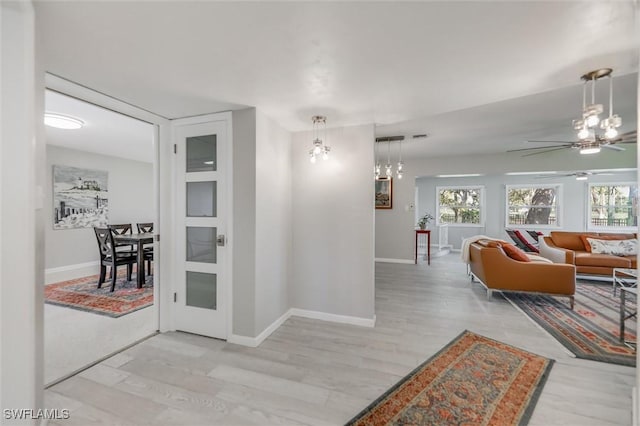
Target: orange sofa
pixel 497 271
pixel 569 247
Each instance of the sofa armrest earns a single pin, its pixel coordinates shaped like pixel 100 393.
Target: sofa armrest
pixel 554 253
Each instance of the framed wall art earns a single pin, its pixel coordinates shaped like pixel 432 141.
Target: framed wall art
pixel 384 195
pixel 80 197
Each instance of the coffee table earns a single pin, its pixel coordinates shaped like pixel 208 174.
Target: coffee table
pixel 624 277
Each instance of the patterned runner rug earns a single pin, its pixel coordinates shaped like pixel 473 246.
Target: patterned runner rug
pixel 592 329
pixel 83 294
pixel 473 380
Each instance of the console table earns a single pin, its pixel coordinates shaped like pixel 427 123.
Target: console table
pixel 426 232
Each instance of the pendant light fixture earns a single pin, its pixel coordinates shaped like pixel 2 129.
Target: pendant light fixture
pixel 388 167
pixel 587 126
pixel 319 139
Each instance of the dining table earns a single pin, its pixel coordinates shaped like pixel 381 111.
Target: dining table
pixel 139 240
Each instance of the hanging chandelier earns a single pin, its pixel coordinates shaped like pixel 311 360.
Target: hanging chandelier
pixel 319 139
pixel 587 126
pixel 388 167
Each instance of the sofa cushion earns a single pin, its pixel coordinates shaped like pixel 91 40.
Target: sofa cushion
pixel 570 240
pixel 604 260
pixel 608 237
pixel 614 247
pixel 515 253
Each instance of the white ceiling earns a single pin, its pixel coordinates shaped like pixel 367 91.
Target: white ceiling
pixel 104 131
pixel 476 76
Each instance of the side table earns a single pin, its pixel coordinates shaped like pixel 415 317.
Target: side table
pixel 426 232
pixel 624 277
pixel 623 312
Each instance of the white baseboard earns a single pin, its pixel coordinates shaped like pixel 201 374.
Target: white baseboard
pixel 385 260
pixel 70 272
pixel 254 342
pixel 324 316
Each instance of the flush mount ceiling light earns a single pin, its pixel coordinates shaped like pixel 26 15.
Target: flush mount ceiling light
pixel 587 126
pixel 60 121
pixel 319 139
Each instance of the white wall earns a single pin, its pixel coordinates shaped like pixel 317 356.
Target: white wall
pixel 333 224
pixel 244 221
pixel 130 201
pixel 21 304
pixel 273 221
pixel 394 228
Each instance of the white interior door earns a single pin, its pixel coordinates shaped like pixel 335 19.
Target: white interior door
pixel 200 297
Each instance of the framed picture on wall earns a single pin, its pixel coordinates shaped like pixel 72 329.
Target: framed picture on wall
pixel 384 199
pixel 80 197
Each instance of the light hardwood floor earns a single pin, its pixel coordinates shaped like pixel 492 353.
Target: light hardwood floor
pixel 322 373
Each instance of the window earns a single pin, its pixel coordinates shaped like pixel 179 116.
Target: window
pixel 535 205
pixel 461 205
pixel 613 205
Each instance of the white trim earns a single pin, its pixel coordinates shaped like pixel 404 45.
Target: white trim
pixel 256 341
pixel 325 316
pixel 386 260
pixel 70 272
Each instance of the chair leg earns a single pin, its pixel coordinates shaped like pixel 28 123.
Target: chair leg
pixel 114 275
pixel 571 301
pixel 149 267
pixel 103 272
pixel 129 271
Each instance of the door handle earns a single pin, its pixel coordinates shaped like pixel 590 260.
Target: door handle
pixel 220 241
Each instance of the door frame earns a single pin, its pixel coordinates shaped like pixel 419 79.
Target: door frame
pixel 161 142
pixel 225 117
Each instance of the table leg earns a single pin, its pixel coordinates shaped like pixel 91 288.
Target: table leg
pixel 428 248
pixel 140 260
pixel 415 260
pixel 622 314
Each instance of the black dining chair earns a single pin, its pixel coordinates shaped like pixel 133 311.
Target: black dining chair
pixel 112 258
pixel 145 227
pixel 148 251
pixel 121 229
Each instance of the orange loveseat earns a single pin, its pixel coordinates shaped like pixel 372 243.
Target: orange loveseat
pixel 497 271
pixel 569 247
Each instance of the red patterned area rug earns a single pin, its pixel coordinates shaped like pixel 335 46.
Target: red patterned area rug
pixel 592 329
pixel 473 380
pixel 83 294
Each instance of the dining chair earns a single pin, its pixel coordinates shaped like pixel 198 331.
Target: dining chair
pixel 110 257
pixel 121 229
pixel 145 227
pixel 148 251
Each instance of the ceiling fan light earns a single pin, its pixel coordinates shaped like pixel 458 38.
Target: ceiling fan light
pixel 610 133
pixel 593 120
pixel 590 150
pixel 583 133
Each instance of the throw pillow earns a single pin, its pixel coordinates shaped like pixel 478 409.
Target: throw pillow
pixel 585 239
pixel 614 247
pixel 515 253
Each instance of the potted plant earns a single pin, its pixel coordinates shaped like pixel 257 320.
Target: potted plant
pixel 425 220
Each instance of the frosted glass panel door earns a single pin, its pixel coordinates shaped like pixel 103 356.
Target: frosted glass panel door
pixel 200 295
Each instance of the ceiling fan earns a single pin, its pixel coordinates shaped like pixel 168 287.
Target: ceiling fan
pixel 592 146
pixel 578 175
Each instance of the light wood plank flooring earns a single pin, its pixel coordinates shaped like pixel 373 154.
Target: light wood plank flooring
pixel 321 373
